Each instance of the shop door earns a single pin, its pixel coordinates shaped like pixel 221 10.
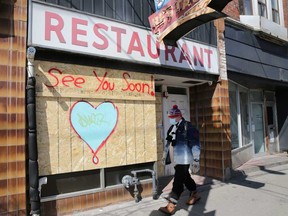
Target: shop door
pixel 258 128
pixel 271 127
pixel 183 105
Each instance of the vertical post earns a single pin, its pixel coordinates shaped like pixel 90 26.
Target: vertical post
pixel 32 135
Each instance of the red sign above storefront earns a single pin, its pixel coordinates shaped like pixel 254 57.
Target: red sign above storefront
pixel 179 17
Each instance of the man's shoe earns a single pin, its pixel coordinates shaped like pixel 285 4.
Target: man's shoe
pixel 194 197
pixel 170 209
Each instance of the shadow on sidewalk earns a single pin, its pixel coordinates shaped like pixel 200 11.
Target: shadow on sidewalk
pixel 239 178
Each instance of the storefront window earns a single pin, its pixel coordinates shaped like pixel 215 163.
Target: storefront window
pixel 244 110
pixel 239 115
pixel 233 115
pixel 114 175
pixel 71 182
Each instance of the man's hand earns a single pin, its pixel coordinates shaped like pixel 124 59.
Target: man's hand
pixel 195 166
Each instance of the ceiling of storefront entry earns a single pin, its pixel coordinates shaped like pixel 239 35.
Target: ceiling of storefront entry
pixel 177 81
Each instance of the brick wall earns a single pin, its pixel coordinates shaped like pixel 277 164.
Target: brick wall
pixel 13 22
pixel 232 9
pixel 285 6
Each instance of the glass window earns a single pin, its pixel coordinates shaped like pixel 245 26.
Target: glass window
pixel 270 116
pixel 114 175
pixel 262 8
pixel 109 8
pixel 176 90
pixel 233 116
pixel 239 115
pixel 275 11
pixel 270 96
pixel 245 7
pixel 256 96
pixel 71 182
pixel 244 110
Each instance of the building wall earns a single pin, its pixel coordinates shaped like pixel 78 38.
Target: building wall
pixel 13 22
pixel 214 127
pixel 213 121
pixel 232 10
pixel 285 5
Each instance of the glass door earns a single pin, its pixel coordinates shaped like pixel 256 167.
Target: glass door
pixel 258 128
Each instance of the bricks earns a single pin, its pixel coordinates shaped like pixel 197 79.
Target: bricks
pixel 232 10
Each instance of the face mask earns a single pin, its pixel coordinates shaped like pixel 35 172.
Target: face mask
pixel 173 121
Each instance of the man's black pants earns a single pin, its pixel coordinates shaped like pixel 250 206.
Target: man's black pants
pixel 182 177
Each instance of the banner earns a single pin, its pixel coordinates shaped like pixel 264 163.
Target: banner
pixel 178 17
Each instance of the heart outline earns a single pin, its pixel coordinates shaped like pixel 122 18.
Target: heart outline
pixel 88 105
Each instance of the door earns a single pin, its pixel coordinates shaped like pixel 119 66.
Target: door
pixel 271 127
pixel 183 105
pixel 258 128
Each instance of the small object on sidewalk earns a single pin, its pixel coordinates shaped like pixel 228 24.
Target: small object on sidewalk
pixel 194 197
pixel 170 209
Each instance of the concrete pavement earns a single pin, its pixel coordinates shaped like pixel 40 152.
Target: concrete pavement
pixel 258 188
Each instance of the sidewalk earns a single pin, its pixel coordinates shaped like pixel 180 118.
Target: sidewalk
pixel 247 191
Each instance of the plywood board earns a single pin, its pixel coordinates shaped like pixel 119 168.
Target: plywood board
pixel 86 133
pixel 67 80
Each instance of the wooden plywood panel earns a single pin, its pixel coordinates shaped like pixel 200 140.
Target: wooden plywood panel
pixel 140 133
pixel 47 133
pixel 150 131
pixel 69 80
pixel 116 144
pixel 64 151
pixel 77 147
pixel 70 127
pixel 130 132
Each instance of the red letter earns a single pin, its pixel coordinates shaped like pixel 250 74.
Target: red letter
pixel 127 83
pixel 184 54
pixel 56 28
pixel 79 81
pixel 171 51
pixel 209 52
pixel 76 32
pixel 118 31
pixel 137 47
pixel 104 45
pixel 50 73
pixel 152 55
pixel 197 57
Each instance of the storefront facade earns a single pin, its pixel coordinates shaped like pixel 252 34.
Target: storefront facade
pixel 257 48
pixel 93 71
pixel 103 86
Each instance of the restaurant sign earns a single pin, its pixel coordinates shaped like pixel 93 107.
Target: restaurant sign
pixel 72 31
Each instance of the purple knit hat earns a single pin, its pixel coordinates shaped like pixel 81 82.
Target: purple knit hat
pixel 174 112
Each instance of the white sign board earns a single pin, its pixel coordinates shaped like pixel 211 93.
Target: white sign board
pixel 63 29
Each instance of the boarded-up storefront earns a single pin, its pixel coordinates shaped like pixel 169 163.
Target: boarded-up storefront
pixel 90 118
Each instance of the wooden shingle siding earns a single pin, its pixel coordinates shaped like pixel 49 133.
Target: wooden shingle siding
pixel 212 105
pixel 13 32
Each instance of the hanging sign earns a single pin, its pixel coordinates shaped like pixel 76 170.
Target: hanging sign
pixel 178 17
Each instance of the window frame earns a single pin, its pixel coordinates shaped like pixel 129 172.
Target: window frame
pixel 275 12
